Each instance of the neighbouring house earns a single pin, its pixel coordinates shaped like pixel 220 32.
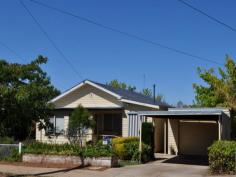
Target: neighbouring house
pixel 108 106
pixel 187 131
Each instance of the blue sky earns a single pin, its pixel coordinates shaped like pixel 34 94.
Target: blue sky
pixel 102 55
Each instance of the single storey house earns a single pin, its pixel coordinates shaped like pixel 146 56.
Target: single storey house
pixel 120 112
pixel 108 106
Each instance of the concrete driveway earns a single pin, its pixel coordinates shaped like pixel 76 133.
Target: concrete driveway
pixel 153 169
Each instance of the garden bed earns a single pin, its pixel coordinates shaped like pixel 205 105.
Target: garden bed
pixel 70 160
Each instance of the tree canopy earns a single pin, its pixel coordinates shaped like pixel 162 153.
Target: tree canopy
pixel 147 92
pixel 25 90
pixel 122 85
pixel 220 89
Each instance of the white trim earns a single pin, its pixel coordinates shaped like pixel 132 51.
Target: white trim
pixel 67 92
pixel 82 84
pixel 103 89
pixel 139 103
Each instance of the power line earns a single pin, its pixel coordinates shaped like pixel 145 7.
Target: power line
pixel 50 40
pixel 126 33
pixel 10 49
pixel 207 15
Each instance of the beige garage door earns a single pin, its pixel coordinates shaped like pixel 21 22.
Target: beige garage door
pixel 195 137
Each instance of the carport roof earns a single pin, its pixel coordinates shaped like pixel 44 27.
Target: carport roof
pixel 183 112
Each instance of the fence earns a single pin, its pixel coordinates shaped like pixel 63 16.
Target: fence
pixel 6 149
pixel 134 124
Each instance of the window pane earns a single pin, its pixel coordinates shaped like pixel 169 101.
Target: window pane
pixel 50 129
pixel 59 125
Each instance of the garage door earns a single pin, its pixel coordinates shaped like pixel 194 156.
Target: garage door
pixel 195 137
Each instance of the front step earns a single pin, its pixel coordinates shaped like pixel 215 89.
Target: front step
pixel 163 156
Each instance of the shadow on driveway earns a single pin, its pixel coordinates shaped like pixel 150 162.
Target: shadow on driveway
pixel 188 159
pixel 49 172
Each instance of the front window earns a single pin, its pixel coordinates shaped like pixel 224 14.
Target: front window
pixel 57 125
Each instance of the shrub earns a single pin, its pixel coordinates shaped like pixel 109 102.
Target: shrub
pixel 128 149
pixel 147 133
pixel 222 156
pixel 97 150
pixel 118 145
pixel 147 153
pixel 124 140
pixel 79 123
pixel 13 157
pixel 131 151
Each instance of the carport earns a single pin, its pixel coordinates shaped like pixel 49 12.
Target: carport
pixel 187 131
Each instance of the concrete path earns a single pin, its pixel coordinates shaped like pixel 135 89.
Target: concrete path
pixel 154 169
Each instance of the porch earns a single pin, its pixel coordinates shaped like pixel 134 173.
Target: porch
pixel 108 123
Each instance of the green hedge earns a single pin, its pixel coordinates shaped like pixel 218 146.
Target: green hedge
pixel 222 157
pixel 97 150
pixel 147 133
pixel 128 149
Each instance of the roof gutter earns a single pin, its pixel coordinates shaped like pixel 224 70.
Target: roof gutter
pixel 139 103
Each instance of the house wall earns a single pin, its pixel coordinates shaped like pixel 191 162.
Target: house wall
pixel 40 134
pixel 173 136
pixel 88 97
pixel 91 97
pixel 226 125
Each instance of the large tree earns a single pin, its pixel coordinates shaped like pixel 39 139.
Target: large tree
pixel 220 88
pixel 25 90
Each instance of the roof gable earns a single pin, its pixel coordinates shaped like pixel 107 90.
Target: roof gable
pixel 89 97
pixel 120 94
pixel 79 86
